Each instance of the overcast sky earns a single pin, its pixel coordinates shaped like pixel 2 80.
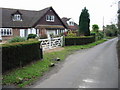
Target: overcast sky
pixel 71 8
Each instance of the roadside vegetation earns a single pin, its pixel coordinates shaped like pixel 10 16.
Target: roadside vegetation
pixel 21 77
pixel 96 32
pixel 111 30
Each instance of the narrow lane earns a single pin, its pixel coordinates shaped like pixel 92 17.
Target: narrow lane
pixel 93 68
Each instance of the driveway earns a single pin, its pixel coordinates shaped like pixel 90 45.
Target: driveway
pixel 96 67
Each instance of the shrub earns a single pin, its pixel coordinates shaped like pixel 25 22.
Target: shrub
pixel 18 54
pixel 101 35
pixel 65 33
pixel 70 34
pixel 93 34
pixel 31 36
pixel 17 39
pixel 56 36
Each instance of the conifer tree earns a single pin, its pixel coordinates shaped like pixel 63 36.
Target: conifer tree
pixel 84 23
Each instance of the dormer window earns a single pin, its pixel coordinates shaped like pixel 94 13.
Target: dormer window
pixel 50 18
pixel 17 17
pixel 71 23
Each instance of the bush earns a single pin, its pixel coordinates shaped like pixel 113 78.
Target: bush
pixel 51 35
pixel 71 34
pixel 79 40
pixel 17 39
pixel 31 36
pixel 15 55
pixel 101 35
pixel 93 34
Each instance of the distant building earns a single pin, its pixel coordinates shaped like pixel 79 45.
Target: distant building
pixel 69 22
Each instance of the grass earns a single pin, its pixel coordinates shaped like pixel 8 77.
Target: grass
pixel 110 37
pixel 26 75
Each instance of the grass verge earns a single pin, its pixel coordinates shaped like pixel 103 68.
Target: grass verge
pixel 26 75
pixel 110 37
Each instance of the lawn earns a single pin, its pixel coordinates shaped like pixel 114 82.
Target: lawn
pixel 26 75
pixel 110 37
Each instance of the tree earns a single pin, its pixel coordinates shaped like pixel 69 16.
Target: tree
pixel 111 30
pixel 84 23
pixel 95 28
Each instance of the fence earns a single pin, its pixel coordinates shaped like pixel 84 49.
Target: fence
pixel 51 43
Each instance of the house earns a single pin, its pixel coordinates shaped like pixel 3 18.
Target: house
pixel 17 22
pixel 71 25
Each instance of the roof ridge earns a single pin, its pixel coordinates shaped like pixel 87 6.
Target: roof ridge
pixel 45 8
pixel 18 9
pixel 24 9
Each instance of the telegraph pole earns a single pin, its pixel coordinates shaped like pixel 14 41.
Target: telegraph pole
pixel 103 28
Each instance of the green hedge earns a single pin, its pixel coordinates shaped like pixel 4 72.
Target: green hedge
pixel 31 36
pixel 15 55
pixel 79 40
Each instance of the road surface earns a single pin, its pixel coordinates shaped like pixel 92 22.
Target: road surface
pixel 96 67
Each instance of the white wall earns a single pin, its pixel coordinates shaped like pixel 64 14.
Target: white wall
pixel 22 32
pixel 54 32
pixel 28 31
pixel 32 31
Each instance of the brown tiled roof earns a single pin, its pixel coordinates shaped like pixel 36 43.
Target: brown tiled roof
pixel 64 19
pixel 29 17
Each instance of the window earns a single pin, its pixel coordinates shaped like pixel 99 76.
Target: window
pixel 71 23
pixel 56 32
pixel 17 17
pixel 5 31
pixel 50 18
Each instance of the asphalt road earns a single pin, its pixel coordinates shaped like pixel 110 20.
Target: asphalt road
pixel 96 67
